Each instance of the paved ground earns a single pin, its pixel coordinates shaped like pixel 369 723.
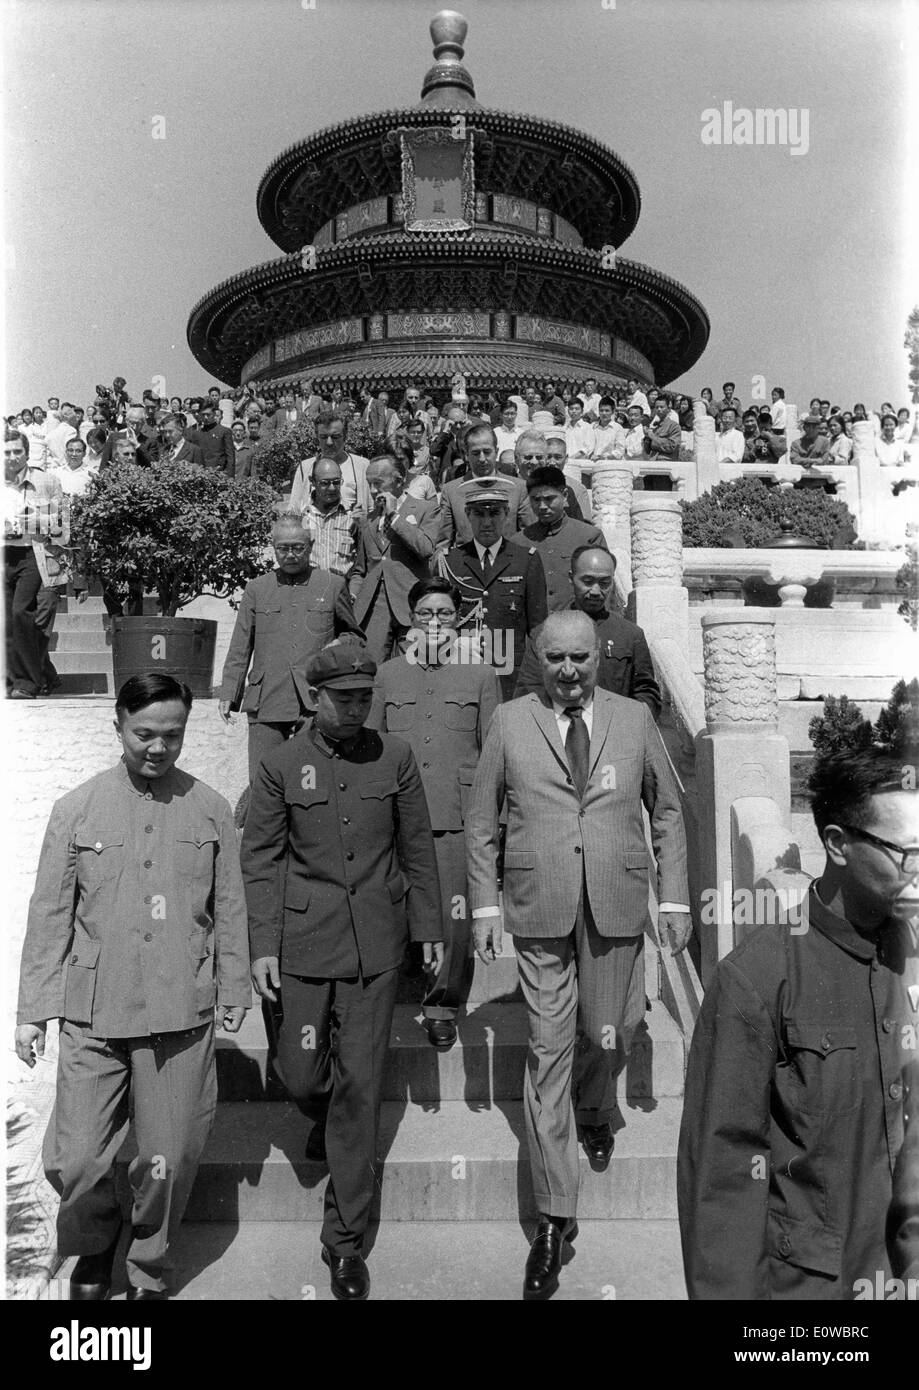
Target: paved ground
pixel 425 1261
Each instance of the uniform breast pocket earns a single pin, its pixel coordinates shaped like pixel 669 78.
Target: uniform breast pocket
pixel 461 714
pixel 100 857
pixel 195 852
pixel 267 619
pixel 824 1063
pixel 400 715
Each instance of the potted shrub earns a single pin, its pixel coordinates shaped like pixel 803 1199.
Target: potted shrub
pixel 182 532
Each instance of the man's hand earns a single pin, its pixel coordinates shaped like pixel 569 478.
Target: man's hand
pixel 223 709
pixel 433 952
pixel 30 1042
pixel 675 929
pixel 230 1017
pixel 386 503
pixel 439 565
pixel 487 934
pixel 81 595
pixel 266 977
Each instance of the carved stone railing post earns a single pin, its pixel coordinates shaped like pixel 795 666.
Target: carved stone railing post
pixel 658 602
pixel 741 754
pixel 704 449
pixel 611 494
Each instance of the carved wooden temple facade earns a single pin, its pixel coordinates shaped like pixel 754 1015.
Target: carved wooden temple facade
pixel 448 237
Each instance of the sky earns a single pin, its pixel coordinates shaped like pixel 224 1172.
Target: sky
pixel 113 235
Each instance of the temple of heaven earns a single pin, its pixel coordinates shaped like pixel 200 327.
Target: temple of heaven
pixel 445 238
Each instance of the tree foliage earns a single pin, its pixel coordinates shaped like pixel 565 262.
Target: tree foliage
pixel 182 530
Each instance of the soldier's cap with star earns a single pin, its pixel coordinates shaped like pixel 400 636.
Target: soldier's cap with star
pixel 344 665
pixel 487 490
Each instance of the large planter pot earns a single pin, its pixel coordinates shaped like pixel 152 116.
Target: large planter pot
pixel 179 647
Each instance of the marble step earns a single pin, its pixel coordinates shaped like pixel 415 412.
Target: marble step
pixel 486 1064
pixel 450 1162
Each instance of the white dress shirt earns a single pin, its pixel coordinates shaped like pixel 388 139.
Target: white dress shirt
pixel 730 447
pixel 580 440
pixel 491 550
pixel 639 398
pixel 609 441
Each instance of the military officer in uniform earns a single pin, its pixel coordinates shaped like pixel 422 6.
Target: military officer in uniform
pixel 441 704
pixel 502 584
pixel 284 618
pixel 137 928
pixel 339 867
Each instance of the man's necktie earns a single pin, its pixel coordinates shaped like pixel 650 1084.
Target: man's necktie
pixel 577 747
pixel 487 564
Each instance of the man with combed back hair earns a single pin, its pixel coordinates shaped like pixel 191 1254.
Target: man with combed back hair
pixel 575 764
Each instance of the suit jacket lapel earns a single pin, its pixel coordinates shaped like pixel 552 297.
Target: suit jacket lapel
pixel 503 559
pixel 472 562
pixel 544 714
pixel 603 714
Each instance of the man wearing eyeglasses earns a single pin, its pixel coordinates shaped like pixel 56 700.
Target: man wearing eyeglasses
pixel 798 1079
pixel 284 618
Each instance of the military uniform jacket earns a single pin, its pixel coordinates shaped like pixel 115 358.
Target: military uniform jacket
pixel 454 523
pixel 555 551
pixel 137 924
pixel 625 662
pixel 514 598
pixel 443 713
pixel 798 1061
pixel 395 557
pixel 281 623
pixel 338 857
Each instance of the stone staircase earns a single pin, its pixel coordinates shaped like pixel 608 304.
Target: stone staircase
pixel 453 1177
pixel 81 647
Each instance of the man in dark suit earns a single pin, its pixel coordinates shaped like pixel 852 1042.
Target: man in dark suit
pixel 662 435
pixel 214 440
pixel 575 764
pixel 481 453
pixel 284 618
pixel 556 535
pixel 285 416
pixel 178 448
pixel 339 867
pixel 625 661
pixel 502 585
pixel 394 550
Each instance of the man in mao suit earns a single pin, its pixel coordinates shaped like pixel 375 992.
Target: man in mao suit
pixel 555 535
pixel 137 929
pixel 625 665
pixel 394 550
pixel 284 617
pixel 339 867
pixel 575 764
pixel 502 585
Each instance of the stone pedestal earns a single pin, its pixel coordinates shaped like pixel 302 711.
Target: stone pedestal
pixel 704 448
pixel 611 494
pixel 740 755
pixel 658 602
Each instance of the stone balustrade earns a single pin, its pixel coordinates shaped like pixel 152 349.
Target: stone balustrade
pixel 790 569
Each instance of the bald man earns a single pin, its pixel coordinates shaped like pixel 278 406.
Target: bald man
pixel 285 617
pixel 575 764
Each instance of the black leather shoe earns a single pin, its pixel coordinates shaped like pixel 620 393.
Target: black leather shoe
pixel 147 1295
pixel 91 1280
pixel 598 1143
pixel 350 1276
pixel 544 1261
pixel 441 1033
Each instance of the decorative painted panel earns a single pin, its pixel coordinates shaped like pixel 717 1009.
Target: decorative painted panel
pixel 451 324
pixel 334 334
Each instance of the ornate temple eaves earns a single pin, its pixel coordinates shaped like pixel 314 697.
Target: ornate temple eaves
pixel 516 154
pixel 377 274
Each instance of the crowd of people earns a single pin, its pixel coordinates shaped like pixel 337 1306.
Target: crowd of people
pixel 434 449
pixel 452 731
